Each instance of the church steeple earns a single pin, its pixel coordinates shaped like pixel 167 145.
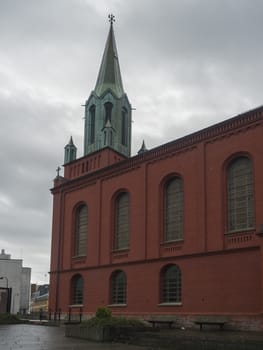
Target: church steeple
pixel 108 110
pixel 110 74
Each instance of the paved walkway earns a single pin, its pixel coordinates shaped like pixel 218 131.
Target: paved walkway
pixel 33 337
pixel 43 337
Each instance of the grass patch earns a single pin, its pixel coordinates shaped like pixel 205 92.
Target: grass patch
pixel 9 319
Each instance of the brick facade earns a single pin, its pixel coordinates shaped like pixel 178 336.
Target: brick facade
pixel 221 272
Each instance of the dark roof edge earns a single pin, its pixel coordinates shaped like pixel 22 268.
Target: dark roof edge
pixel 214 130
pixel 210 132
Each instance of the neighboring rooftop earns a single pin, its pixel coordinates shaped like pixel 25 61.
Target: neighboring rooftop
pixel 4 256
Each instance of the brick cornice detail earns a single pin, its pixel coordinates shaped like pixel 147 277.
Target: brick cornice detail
pixel 228 127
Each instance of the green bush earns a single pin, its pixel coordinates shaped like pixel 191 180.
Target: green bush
pixel 9 319
pixel 113 321
pixel 103 312
pixel 103 317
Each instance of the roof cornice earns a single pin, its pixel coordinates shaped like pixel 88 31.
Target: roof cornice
pixel 233 125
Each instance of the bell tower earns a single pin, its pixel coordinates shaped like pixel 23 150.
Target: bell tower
pixel 108 110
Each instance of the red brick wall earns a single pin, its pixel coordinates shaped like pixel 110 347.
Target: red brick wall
pixel 214 284
pixel 220 273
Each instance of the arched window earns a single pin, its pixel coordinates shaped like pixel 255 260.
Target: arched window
pixel 171 284
pixel 108 110
pixel 92 112
pixel 81 230
pixel 122 221
pixel 77 290
pixel 173 210
pixel 240 194
pixel 124 127
pixel 118 287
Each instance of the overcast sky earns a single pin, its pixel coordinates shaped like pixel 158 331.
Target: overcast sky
pixel 186 64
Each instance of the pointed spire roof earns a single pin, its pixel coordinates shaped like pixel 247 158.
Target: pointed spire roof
pixel 110 75
pixel 70 151
pixel 70 143
pixel 142 149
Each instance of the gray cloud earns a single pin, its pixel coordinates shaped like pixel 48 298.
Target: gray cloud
pixel 185 66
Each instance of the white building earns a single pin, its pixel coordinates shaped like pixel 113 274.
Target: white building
pixel 16 277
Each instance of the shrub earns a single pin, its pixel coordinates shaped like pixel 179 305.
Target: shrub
pixel 103 317
pixel 113 322
pixel 9 319
pixel 103 312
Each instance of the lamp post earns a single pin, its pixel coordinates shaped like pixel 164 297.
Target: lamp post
pixel 1 278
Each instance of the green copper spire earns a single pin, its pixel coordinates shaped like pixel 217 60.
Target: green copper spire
pixel 108 110
pixel 110 75
pixel 70 152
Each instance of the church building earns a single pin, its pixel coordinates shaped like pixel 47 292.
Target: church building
pixel 173 231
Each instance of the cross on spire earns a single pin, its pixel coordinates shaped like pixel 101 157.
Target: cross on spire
pixel 111 18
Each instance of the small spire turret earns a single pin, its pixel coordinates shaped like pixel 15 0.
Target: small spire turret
pixel 143 148
pixel 70 151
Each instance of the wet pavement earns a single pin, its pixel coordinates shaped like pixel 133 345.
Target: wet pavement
pixel 43 337
pixel 33 337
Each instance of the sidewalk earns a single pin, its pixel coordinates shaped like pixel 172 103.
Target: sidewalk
pixel 44 337
pixel 177 339
pixel 36 337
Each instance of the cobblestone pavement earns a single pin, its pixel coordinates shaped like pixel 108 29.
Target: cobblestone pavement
pixel 33 337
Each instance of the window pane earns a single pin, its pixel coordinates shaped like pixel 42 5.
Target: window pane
pixel 171 285
pixel 77 290
pixel 81 230
pixel 240 195
pixel 119 288
pixel 173 203
pixel 122 221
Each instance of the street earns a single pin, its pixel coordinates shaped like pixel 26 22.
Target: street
pixel 34 337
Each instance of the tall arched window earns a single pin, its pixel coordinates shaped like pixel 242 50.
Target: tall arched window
pixel 118 287
pixel 173 210
pixel 108 110
pixel 81 230
pixel 122 221
pixel 171 284
pixel 92 112
pixel 124 127
pixel 77 290
pixel 240 195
